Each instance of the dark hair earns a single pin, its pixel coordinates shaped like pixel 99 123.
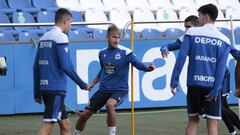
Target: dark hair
pixel 113 28
pixel 210 10
pixel 193 19
pixel 61 14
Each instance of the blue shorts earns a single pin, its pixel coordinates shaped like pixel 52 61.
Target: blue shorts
pixel 99 99
pixel 54 108
pixel 198 106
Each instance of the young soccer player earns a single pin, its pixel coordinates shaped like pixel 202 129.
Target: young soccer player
pixel 51 66
pixel 208 51
pixel 113 78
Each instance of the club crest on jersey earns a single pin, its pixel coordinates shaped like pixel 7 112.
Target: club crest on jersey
pixel 117 56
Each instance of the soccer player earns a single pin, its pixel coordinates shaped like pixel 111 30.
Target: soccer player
pixel 229 117
pixel 190 21
pixel 208 51
pixel 113 78
pixel 51 66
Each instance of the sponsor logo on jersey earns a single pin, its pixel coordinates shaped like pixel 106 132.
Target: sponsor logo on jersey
pixel 208 41
pixel 110 68
pixel 43 82
pixel 206 59
pixel 203 78
pixel 118 56
pixel 66 49
pixel 45 44
pixel 43 62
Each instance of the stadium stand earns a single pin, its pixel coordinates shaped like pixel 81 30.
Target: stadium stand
pixel 93 4
pixel 234 12
pixel 167 15
pixel 229 3
pixel 135 4
pixel 127 34
pixel 99 34
pixel 96 15
pixel 5 8
pixel 28 36
pixel 45 17
pixel 5 36
pixel 237 32
pixel 120 17
pixel 150 33
pixel 119 4
pixel 23 5
pixel 185 4
pixel 45 4
pixel 77 17
pixel 4 19
pixel 185 12
pixel 69 4
pixel 25 17
pixel 144 15
pixel 173 32
pixel 225 31
pixel 78 35
pixel 221 24
pixel 163 4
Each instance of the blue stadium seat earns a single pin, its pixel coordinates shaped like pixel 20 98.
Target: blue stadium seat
pixel 25 17
pixel 23 5
pixel 151 33
pixel 128 34
pixel 4 7
pixel 28 36
pixel 4 19
pixel 99 34
pixel 4 37
pixel 173 32
pixel 237 31
pixel 225 31
pixel 77 17
pixel 45 17
pixel 49 5
pixel 78 35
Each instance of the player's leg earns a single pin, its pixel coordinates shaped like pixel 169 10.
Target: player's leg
pixel 65 127
pixel 212 125
pixel 46 128
pixel 52 112
pixel 64 122
pixel 226 116
pixel 194 106
pixel 97 101
pixel 192 125
pixel 213 113
pixel 115 99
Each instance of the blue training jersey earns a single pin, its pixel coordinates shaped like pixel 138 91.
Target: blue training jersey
pixel 115 67
pixel 208 51
pixel 52 63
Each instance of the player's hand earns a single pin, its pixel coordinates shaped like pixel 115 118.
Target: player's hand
pixel 165 53
pixel 38 100
pixel 151 67
pixel 210 98
pixel 174 91
pixel 237 92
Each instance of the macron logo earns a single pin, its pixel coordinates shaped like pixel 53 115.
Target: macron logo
pixel 66 49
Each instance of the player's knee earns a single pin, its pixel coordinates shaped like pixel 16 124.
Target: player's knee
pixel 65 126
pixel 85 115
pixel 111 105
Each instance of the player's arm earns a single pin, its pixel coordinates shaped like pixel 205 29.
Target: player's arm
pixel 67 66
pixel 37 95
pixel 237 79
pixel 170 47
pixel 219 74
pixel 235 53
pixel 138 64
pixel 180 63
